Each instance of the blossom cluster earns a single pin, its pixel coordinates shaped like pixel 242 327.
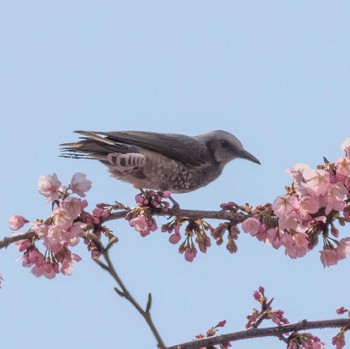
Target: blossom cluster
pixel 140 218
pixel 296 340
pixel 339 339
pixel 212 332
pixel 266 312
pixel 195 235
pixel 313 208
pixel 61 231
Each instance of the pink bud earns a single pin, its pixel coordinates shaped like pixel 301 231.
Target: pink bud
pixel 174 238
pixel 17 222
pixel 221 323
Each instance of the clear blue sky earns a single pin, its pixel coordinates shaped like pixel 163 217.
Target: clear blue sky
pixel 276 74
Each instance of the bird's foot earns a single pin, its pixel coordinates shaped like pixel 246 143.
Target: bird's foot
pixel 176 205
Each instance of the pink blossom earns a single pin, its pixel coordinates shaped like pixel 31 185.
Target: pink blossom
pixel 72 207
pixel 89 219
pixel 17 222
pixel 262 233
pixel 343 166
pixel 79 184
pixel 346 146
pixel 343 246
pixel 290 221
pixel 100 212
pixel 32 257
pixel 283 205
pixel 296 245
pixel 62 218
pixel 67 263
pixel 308 205
pixel 316 181
pixel 55 239
pixel 140 225
pixel 46 269
pixel 23 245
pixel 251 225
pixel 297 172
pixel 40 229
pixel 49 187
pixel 305 341
pixel 273 236
pixel 330 257
pixel 335 197
pixel 143 225
pixel 73 234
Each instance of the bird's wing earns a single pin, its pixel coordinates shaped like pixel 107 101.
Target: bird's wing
pixel 178 147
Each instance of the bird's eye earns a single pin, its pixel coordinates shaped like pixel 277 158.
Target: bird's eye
pixel 225 144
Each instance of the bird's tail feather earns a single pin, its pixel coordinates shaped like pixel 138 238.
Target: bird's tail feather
pixel 91 146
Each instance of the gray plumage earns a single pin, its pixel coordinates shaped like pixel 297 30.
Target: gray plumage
pixel 160 161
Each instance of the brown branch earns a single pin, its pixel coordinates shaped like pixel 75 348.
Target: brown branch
pixel 14 238
pixel 124 292
pixel 276 331
pixel 191 214
pixel 176 212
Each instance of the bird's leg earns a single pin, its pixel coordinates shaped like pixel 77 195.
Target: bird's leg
pixel 176 205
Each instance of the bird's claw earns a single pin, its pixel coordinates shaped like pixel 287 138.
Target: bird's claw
pixel 176 205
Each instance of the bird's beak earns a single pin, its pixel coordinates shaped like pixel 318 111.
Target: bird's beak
pixel 246 155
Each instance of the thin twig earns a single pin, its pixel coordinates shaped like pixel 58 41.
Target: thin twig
pixel 276 331
pixel 124 292
pixel 14 238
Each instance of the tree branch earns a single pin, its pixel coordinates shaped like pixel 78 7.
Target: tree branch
pixel 172 212
pixel 124 292
pixel 276 331
pixel 191 214
pixel 14 238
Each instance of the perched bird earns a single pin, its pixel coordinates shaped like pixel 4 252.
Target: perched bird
pixel 160 161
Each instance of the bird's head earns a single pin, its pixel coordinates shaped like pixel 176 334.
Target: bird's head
pixel 225 147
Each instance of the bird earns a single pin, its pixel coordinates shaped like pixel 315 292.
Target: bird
pixel 160 161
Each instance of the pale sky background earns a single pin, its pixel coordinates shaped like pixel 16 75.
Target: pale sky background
pixel 274 73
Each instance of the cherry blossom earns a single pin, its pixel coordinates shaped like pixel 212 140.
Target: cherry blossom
pixel 40 229
pixel 143 225
pixel 63 229
pixel 251 225
pixel 49 187
pixel 305 341
pixel 330 257
pixel 17 222
pixel 339 340
pixel 79 184
pixel 72 207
